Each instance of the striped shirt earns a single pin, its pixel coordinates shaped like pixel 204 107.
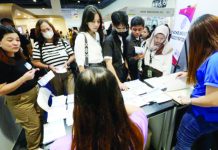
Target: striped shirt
pixel 55 55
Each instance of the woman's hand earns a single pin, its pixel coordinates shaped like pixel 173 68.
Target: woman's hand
pixel 123 87
pixel 183 100
pixel 29 75
pixel 52 68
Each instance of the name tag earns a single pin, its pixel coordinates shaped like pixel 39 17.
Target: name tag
pixel 63 53
pixel 28 66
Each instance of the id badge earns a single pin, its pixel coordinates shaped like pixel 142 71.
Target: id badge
pixel 28 66
pixel 149 73
pixel 63 53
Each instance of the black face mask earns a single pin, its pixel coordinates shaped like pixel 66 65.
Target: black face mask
pixel 123 34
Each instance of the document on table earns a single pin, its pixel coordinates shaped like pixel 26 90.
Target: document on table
pixel 70 98
pixel 157 96
pixel 139 50
pixel 57 113
pixel 132 99
pixel 69 119
pixel 137 87
pixel 170 82
pixel 43 97
pixel 46 78
pixel 59 100
pixel 53 131
pixel 180 93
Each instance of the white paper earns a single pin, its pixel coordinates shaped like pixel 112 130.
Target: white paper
pixel 183 93
pixel 53 131
pixel 156 96
pixel 57 113
pixel 132 99
pixel 137 87
pixel 69 119
pixel 59 100
pixel 139 50
pixel 170 82
pixel 43 97
pixel 46 78
pixel 60 69
pixel 70 98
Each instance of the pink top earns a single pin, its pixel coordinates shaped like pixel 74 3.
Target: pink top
pixel 138 117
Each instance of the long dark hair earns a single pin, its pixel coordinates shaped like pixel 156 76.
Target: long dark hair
pixel 88 16
pixel 203 36
pixel 100 117
pixel 3 56
pixel 41 40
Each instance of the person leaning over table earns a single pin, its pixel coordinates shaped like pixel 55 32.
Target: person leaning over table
pixel 18 86
pixel 202 117
pixel 101 120
pixel 52 53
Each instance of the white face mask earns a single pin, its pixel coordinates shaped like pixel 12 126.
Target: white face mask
pixel 48 34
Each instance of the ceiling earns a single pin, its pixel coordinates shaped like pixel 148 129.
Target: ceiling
pixel 64 3
pixel 82 3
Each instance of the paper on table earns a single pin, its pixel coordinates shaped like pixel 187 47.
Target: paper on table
pixel 139 50
pixel 170 82
pixel 56 113
pixel 53 131
pixel 137 87
pixel 132 99
pixel 43 97
pixel 156 96
pixel 70 98
pixel 46 78
pixel 184 93
pixel 69 119
pixel 59 100
pixel 61 69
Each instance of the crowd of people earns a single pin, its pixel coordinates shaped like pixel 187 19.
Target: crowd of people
pixel 105 62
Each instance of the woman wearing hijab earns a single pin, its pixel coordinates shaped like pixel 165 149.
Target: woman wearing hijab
pixel 158 53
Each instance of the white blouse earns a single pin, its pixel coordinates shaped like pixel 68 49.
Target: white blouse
pixel 94 49
pixel 162 63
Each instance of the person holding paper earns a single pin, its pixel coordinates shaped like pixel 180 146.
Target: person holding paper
pixel 52 53
pixel 88 43
pixel 18 86
pixel 158 53
pixel 134 50
pixel 202 117
pixel 101 120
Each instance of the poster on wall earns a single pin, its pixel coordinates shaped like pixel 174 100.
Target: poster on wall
pixel 183 19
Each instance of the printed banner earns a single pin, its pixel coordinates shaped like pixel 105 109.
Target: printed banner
pixel 183 18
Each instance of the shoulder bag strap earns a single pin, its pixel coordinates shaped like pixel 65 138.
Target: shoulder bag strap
pixel 86 52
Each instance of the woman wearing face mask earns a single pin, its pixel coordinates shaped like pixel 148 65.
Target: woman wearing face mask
pixel 91 33
pixel 52 53
pixel 18 85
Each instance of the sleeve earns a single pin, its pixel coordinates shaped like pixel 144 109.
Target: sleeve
pixel 141 120
pixel 62 143
pixel 211 73
pixel 68 48
pixel 130 51
pixel 2 74
pixel 79 49
pixel 107 49
pixel 36 52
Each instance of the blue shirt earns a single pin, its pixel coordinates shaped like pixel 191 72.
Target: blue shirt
pixel 206 75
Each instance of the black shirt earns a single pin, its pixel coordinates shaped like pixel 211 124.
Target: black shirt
pixel 10 73
pixel 112 48
pixel 132 62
